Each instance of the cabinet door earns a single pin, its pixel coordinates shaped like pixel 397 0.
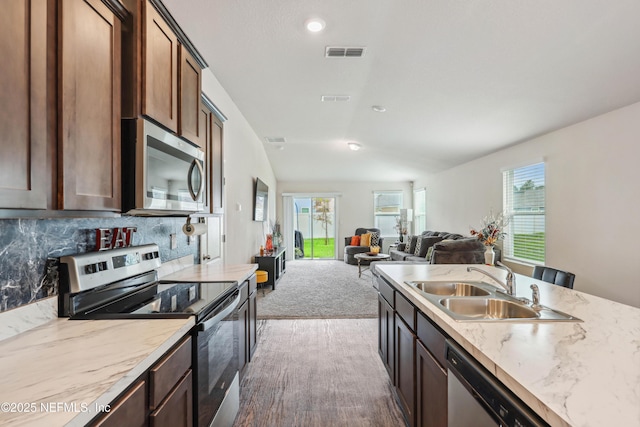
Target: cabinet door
pixel 405 369
pixel 159 69
pixel 217 166
pixel 23 114
pixel 386 341
pixel 253 317
pixel 129 410
pixel 89 113
pixel 177 409
pixel 243 324
pixel 190 89
pixel 431 390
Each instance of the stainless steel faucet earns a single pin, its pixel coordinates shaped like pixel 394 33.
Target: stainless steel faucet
pixel 509 285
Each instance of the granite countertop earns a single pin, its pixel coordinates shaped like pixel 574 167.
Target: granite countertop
pixel 58 373
pixel 570 373
pixel 213 273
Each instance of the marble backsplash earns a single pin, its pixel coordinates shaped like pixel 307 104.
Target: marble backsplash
pixel 30 249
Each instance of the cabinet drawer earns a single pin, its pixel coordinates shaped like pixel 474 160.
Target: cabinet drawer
pixel 406 310
pixel 177 409
pixel 432 338
pixel 166 373
pixel 129 410
pixel 253 284
pixel 387 291
pixel 244 292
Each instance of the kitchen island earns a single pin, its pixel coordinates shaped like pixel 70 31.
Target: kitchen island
pixel 570 373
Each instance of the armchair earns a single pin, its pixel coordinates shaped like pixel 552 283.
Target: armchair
pixel 351 250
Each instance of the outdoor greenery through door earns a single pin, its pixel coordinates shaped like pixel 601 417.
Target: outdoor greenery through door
pixel 314 218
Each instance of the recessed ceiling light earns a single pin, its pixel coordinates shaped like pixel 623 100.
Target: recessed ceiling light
pixel 314 25
pixel 378 108
pixel 354 146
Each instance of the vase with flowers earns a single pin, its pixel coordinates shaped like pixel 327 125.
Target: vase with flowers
pixel 401 228
pixel 491 232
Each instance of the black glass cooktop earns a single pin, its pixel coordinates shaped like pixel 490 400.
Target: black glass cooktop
pixel 164 300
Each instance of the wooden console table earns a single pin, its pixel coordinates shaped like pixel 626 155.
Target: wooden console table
pixel 274 264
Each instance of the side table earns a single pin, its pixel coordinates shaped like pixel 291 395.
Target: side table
pixel 274 264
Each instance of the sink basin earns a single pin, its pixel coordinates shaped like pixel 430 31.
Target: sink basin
pixel 450 289
pixel 488 308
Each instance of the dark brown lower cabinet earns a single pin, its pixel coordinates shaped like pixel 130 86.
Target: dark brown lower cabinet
pixel 405 358
pixel 386 331
pixel 177 409
pixel 163 396
pixel 243 322
pixel 129 410
pixel 431 390
pixel 253 316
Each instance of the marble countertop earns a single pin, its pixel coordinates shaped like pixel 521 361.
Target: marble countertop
pixel 213 273
pixel 59 373
pixel 570 373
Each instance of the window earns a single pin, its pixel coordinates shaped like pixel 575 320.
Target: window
pixel 419 210
pixel 524 202
pixel 386 207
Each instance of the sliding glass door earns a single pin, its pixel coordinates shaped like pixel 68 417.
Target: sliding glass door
pixel 314 220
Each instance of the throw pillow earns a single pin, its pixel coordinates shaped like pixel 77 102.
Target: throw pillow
pixel 416 251
pixel 355 240
pixel 429 253
pixel 375 238
pixel 407 247
pixel 365 239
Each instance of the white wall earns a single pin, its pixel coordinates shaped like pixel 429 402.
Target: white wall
pixel 355 203
pixel 593 199
pixel 244 160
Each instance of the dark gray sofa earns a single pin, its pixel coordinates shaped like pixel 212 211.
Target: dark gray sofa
pixel 351 251
pixel 416 247
pixel 448 248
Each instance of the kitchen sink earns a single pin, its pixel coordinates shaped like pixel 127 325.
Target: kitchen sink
pixel 482 302
pixel 450 289
pixel 488 308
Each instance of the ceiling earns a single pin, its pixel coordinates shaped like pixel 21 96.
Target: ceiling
pixel 459 78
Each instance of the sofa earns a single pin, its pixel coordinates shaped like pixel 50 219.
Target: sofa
pixel 441 248
pixel 350 251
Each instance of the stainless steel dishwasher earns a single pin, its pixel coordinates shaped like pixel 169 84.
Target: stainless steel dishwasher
pixel 476 398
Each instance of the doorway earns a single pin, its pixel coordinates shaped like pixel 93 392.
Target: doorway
pixel 314 220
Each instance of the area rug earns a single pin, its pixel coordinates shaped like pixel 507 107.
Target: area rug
pixel 319 289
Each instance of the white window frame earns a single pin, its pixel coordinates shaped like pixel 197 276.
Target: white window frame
pixel 419 214
pixel 395 213
pixel 525 219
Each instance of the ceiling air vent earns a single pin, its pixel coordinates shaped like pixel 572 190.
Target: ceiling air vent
pixel 343 52
pixel 275 139
pixel 336 98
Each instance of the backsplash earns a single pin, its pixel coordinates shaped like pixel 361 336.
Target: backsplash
pixel 30 248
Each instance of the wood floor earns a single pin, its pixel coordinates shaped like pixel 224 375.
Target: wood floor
pixel 323 372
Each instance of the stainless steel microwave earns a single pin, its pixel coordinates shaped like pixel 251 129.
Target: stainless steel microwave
pixel 162 174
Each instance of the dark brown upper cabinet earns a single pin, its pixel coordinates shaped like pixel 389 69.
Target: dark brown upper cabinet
pixel 89 71
pixel 159 69
pixel 24 91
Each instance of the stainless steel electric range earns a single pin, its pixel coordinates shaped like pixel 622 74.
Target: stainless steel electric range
pixel 123 284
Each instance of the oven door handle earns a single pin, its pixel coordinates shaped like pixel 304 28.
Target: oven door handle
pixel 210 322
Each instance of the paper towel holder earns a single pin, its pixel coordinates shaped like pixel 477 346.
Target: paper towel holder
pixel 195 229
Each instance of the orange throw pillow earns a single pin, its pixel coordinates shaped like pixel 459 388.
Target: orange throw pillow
pixel 355 241
pixel 365 239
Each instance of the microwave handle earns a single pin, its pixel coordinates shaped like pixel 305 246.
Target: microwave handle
pixel 195 194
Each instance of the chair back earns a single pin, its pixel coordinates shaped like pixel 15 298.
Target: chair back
pixel 552 275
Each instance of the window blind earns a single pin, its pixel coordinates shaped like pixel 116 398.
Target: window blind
pixel 386 207
pixel 524 203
